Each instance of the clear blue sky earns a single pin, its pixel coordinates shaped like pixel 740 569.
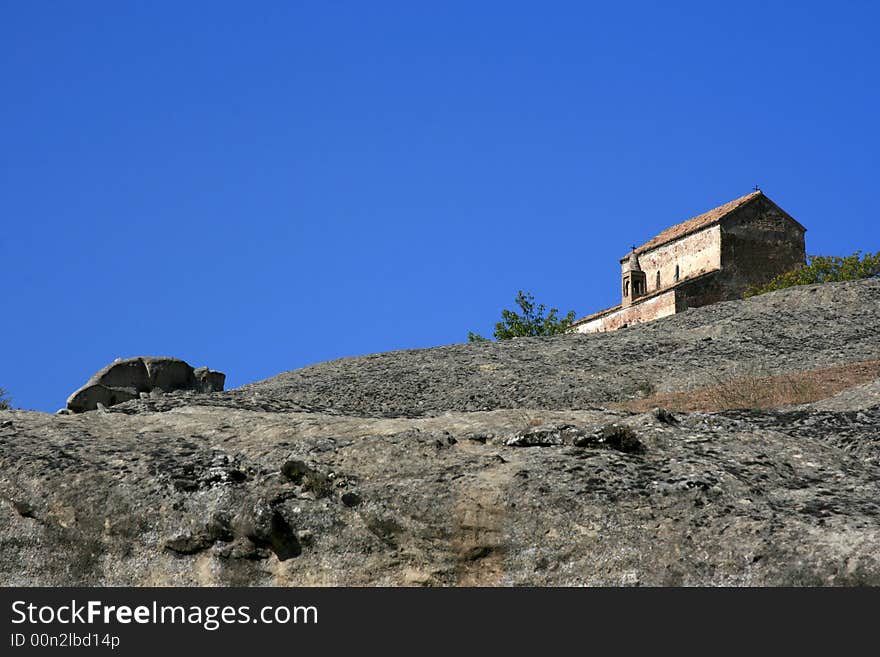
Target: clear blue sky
pixel 256 187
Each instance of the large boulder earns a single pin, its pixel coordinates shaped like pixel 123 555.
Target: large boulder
pixel 130 373
pixel 90 395
pixel 126 379
pixel 167 374
pixel 209 380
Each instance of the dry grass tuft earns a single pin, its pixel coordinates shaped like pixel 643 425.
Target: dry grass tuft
pixel 755 388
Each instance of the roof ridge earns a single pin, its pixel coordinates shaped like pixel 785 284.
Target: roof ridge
pixel 698 222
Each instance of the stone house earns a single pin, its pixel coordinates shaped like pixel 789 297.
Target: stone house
pixel 713 257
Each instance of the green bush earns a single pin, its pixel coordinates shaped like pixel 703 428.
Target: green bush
pixel 5 402
pixel 824 269
pixel 531 322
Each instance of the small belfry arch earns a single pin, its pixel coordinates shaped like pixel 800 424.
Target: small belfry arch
pixel 635 283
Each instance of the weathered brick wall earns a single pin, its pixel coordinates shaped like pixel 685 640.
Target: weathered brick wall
pixel 703 290
pixel 694 255
pixel 750 246
pixel 759 243
pixel 649 309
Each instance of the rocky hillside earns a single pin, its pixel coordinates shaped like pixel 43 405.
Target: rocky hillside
pixel 792 330
pixel 479 464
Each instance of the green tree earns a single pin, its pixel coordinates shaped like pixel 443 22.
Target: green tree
pixel 824 269
pixel 531 322
pixel 5 402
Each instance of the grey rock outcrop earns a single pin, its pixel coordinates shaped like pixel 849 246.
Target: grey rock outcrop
pixel 206 495
pixel 130 378
pixel 480 464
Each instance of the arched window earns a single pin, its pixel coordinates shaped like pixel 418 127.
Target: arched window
pixel 658 280
pixel 676 273
pixel 626 288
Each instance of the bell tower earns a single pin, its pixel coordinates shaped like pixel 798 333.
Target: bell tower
pixel 633 280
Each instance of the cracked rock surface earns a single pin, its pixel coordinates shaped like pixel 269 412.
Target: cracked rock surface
pixel 483 464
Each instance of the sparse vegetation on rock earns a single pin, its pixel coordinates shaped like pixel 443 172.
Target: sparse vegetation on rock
pixel 824 269
pixel 5 401
pixel 531 323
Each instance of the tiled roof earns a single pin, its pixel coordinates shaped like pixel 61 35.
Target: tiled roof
pixel 696 223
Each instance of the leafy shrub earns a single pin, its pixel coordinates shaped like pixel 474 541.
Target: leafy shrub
pixel 824 269
pixel 532 321
pixel 5 402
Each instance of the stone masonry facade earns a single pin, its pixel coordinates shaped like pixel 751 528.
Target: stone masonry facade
pixel 713 257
